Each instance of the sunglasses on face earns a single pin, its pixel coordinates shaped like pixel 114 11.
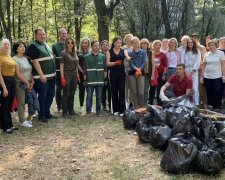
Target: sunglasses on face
pixel 70 43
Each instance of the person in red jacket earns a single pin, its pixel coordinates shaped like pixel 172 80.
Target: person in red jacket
pixel 161 67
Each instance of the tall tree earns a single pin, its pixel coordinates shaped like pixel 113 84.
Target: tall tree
pixel 6 23
pixel 166 21
pixel 105 15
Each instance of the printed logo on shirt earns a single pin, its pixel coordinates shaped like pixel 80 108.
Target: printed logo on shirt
pixel 157 62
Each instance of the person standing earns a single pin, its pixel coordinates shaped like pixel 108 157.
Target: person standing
pixel 106 92
pixel 43 72
pixel 115 62
pixel 24 79
pixel 161 67
pixel 136 75
pixel 191 59
pixel 95 71
pixel 57 48
pixel 7 88
pixel 85 46
pixel 213 74
pixel 173 58
pixel 128 93
pixel 149 67
pixel 69 65
pixel 201 87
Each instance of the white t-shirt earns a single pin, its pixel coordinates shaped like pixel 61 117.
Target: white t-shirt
pixel 172 59
pixel 213 64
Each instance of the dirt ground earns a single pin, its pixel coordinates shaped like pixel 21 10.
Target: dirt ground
pixel 88 147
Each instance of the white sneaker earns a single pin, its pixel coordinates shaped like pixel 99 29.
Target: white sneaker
pixel 121 114
pixel 81 109
pixel 26 124
pixel 116 114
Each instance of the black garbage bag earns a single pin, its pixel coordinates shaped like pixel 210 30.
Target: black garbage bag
pixel 143 128
pixel 220 147
pixel 159 135
pixel 208 161
pixel 158 114
pixel 179 155
pixel 184 125
pixel 202 127
pixel 175 114
pixel 130 118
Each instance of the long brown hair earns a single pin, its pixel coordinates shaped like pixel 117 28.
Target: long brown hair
pixel 194 49
pixel 74 46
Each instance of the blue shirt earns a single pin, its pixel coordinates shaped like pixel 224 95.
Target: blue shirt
pixel 138 59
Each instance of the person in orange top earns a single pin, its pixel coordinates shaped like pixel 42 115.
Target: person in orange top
pixel 7 88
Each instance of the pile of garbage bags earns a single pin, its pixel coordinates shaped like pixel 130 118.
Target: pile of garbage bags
pixel 189 140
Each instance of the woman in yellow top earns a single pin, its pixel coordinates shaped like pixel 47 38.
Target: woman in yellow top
pixel 7 85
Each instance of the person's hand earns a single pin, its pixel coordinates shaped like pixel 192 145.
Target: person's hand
pixel 152 77
pixel 63 82
pixel 163 77
pixel 5 92
pixel 105 81
pixel 28 86
pixel 138 73
pixel 223 78
pixel 163 97
pixel 118 62
pixel 43 79
pixel 201 80
pixel 85 83
pixel 78 78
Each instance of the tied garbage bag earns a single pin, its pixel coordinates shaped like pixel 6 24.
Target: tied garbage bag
pixel 208 161
pixel 143 128
pixel 158 114
pixel 179 108
pixel 180 153
pixel 159 135
pixel 175 114
pixel 184 125
pixel 130 118
pixel 220 147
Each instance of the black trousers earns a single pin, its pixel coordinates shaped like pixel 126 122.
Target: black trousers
pixel 106 91
pixel 58 95
pixel 81 90
pixel 153 88
pixel 117 84
pixel 214 91
pixel 6 103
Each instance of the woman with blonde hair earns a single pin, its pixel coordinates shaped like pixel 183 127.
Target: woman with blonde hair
pixel 161 67
pixel 149 67
pixel 7 88
pixel 173 57
pixel 69 65
pixel 136 75
pixel 85 48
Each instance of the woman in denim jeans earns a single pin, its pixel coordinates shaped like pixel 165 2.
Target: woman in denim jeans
pixel 136 75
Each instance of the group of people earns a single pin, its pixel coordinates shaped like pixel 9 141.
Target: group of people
pixel 121 76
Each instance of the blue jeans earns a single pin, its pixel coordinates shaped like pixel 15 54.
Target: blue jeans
pixel 46 93
pixel 98 94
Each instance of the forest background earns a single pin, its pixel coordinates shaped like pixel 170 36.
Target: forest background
pixel 104 19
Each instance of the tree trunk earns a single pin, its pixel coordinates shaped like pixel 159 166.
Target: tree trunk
pixel 166 20
pixel 32 19
pixel 185 17
pixel 6 26
pixel 105 15
pixel 20 21
pixel 77 21
pixel 55 17
pixel 13 19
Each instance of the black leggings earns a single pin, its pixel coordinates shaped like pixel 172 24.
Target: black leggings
pixel 6 103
